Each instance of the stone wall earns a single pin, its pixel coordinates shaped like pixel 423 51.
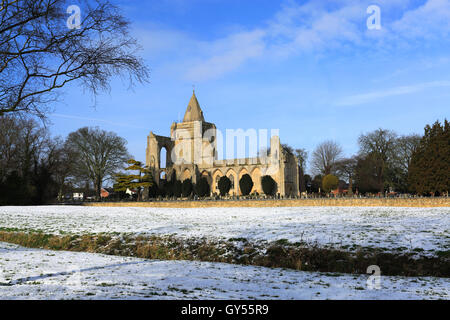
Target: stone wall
pixel 415 202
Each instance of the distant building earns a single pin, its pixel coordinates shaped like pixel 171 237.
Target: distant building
pixel 104 193
pixel 193 145
pixel 78 196
pixel 130 192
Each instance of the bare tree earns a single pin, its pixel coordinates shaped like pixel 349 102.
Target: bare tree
pixel 99 155
pixel 380 145
pixel 61 160
pixel 302 157
pixel 9 145
pixel 40 54
pixel 325 156
pixel 26 158
pixel 404 149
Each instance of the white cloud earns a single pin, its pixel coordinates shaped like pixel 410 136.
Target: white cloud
pixel 311 27
pixel 227 54
pixel 68 116
pixel 429 21
pixel 397 91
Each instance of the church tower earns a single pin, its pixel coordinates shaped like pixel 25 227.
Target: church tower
pixel 194 138
pixel 193 110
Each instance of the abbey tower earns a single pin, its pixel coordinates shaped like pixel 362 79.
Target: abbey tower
pixel 191 153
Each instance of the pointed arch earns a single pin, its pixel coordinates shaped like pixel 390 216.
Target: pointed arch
pixel 231 174
pixel 215 181
pixel 186 175
pixel 163 157
pixel 207 175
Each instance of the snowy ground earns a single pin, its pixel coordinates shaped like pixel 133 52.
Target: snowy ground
pixel 415 229
pixel 41 274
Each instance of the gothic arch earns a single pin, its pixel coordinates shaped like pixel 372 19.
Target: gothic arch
pixel 163 175
pixel 242 172
pixel 215 180
pixel 163 157
pixel 186 175
pixel 231 174
pixel 207 175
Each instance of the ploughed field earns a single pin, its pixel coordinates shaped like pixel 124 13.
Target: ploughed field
pixel 421 231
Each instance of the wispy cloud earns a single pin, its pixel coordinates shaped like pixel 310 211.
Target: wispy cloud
pixel 309 27
pixel 397 91
pixel 117 124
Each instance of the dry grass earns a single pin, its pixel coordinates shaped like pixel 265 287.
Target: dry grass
pixel 240 251
pixel 339 202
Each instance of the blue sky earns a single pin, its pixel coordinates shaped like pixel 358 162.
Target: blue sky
pixel 311 69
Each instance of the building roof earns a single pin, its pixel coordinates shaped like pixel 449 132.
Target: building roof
pixel 193 111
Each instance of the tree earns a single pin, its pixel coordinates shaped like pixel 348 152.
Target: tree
pixel 168 187
pixel 202 187
pixel 345 168
pixel 397 170
pixel 366 171
pixel 330 182
pixel 429 171
pixel 12 191
pixel 287 148
pixel 224 185
pixel 153 191
pixel 302 156
pixel 177 188
pixel 325 157
pixel 187 188
pixel 138 182
pixel 98 155
pixel 316 183
pixel 379 145
pixel 40 54
pixel 63 165
pixel 123 183
pixel 308 182
pixel 268 185
pixel 27 151
pixel 246 184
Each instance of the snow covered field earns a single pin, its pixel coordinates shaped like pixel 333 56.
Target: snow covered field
pixel 41 274
pixel 415 229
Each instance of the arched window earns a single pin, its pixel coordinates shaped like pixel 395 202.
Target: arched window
pixel 163 158
pixel 217 182
pixel 231 177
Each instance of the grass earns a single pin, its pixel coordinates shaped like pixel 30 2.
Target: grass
pixel 278 254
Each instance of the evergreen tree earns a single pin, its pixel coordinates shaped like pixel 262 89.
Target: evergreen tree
pixel 330 182
pixel 268 185
pixel 429 172
pixel 367 177
pixel 202 187
pixel 186 188
pixel 144 178
pixel 246 184
pixel 168 188
pixel 177 188
pixel 224 185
